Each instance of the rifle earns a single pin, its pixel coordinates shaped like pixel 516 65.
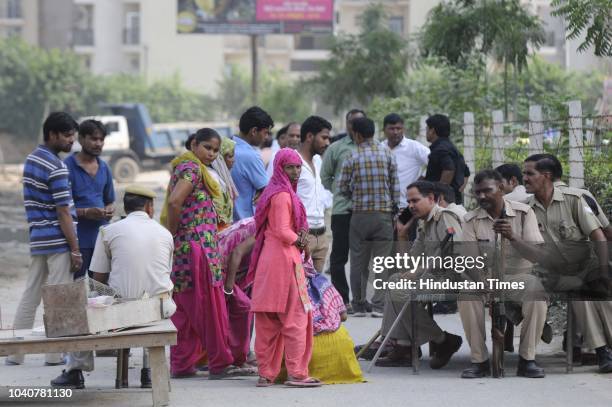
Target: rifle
pixel 496 306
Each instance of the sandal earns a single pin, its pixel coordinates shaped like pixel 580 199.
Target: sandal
pixel 263 382
pixel 244 370
pixel 306 382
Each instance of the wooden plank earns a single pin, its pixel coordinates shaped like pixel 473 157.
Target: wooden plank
pixel 82 344
pixel 159 334
pixel 160 377
pixel 163 326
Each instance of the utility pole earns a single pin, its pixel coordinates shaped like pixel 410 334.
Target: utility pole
pixel 254 68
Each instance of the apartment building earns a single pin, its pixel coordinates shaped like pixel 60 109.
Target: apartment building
pixel 141 36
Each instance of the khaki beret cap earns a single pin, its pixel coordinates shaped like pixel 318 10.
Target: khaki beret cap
pixel 140 190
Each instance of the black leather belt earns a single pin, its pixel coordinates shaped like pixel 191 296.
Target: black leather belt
pixel 317 231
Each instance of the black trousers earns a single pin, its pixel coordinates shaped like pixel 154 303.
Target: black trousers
pixel 340 225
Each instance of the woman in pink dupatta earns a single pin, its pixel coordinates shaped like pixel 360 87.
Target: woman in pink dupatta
pixel 283 317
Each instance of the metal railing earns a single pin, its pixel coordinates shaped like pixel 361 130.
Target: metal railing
pixel 83 37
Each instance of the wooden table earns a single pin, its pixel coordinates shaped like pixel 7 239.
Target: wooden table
pixel 154 336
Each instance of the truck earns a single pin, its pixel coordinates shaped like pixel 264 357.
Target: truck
pixel 133 143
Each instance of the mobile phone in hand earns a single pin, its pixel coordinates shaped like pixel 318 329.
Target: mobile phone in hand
pixel 405 215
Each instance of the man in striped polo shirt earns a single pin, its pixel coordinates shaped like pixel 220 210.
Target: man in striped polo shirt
pixel 52 219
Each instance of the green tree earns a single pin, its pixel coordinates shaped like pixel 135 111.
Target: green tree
pixel 461 31
pixel 361 67
pixel 234 92
pixel 435 87
pixel 590 17
pixel 283 99
pixel 34 82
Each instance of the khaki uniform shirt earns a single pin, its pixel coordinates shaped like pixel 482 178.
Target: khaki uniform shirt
pixel 566 223
pixel 458 210
pixel 601 216
pixel 478 227
pixel 434 229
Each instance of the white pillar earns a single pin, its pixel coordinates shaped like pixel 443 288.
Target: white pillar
pixel 576 153
pixel 498 138
pixel 422 138
pixel 536 130
pixel 469 153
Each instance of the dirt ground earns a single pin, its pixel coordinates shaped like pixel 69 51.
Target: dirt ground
pixel 14 249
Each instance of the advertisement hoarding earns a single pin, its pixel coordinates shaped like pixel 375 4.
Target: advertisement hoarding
pixel 255 16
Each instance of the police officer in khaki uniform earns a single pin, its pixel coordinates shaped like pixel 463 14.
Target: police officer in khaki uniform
pixel 519 228
pixel 435 225
pixel 591 201
pixel 567 223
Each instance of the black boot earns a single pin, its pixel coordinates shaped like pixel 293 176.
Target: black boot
pixel 400 356
pixel 529 368
pixel 604 358
pixel 145 378
pixel 445 350
pixel 72 380
pixel 477 370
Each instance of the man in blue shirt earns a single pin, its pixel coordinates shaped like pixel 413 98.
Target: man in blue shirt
pixel 47 198
pixel 248 172
pixel 92 188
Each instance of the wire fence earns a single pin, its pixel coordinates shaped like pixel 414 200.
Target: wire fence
pixel 581 142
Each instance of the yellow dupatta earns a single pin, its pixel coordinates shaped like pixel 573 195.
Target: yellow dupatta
pixel 209 181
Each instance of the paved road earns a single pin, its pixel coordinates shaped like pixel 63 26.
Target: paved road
pixel 385 386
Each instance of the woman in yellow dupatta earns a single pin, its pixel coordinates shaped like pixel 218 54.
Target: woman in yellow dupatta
pixel 221 172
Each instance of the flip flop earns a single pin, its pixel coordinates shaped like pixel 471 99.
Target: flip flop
pixel 263 382
pixel 306 382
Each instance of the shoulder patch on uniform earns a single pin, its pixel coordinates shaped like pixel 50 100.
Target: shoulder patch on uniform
pixel 469 216
pixel 519 206
pixel 592 204
pixel 449 212
pixel 572 191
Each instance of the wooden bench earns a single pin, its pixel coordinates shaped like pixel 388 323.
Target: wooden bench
pixel 154 337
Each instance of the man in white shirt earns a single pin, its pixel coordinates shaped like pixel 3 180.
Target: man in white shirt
pixel 288 136
pixel 512 184
pixel 446 199
pixel 411 156
pixel 315 139
pixel 133 256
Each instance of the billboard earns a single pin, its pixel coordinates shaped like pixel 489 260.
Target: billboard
pixel 255 16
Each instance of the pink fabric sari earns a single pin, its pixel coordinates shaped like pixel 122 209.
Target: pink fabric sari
pixel 278 183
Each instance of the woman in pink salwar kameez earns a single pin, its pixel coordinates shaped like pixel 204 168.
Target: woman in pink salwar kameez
pixel 283 317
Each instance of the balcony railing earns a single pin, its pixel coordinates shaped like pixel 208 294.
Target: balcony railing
pixel 83 37
pixel 131 36
pixel 11 9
